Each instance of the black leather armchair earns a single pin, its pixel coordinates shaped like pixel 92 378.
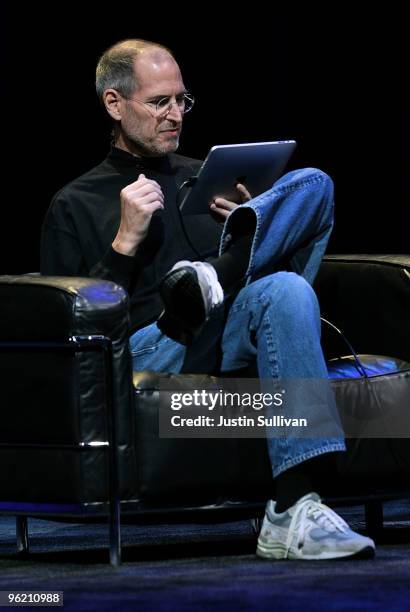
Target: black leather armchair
pixel 79 435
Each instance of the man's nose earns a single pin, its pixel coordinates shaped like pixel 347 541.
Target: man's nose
pixel 174 111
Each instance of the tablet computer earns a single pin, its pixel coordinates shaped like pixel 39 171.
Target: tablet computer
pixel 255 164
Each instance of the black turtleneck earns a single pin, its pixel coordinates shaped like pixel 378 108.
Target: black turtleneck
pixel 84 217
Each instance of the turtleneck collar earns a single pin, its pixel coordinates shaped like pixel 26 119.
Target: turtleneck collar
pixel 124 160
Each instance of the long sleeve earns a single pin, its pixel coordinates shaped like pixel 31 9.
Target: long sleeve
pixel 67 248
pixel 115 267
pixel 60 255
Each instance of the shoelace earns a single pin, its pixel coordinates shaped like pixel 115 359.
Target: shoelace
pixel 327 519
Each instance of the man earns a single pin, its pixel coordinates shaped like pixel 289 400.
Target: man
pixel 120 222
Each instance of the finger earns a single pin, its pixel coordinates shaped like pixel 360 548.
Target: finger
pixel 148 189
pixel 149 199
pixel 143 179
pixel 141 189
pixel 244 193
pixel 220 212
pixel 151 207
pixel 224 203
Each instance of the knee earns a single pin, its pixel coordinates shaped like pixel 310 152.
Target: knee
pixel 294 287
pixel 308 176
pixel 291 296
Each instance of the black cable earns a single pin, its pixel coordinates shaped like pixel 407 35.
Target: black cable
pixel 357 363
pixel 188 183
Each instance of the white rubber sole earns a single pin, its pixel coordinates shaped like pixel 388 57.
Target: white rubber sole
pixel 278 551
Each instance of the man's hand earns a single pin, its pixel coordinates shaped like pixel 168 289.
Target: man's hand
pixel 221 207
pixel 139 201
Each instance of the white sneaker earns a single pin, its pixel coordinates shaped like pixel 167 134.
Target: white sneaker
pixel 309 530
pixel 189 291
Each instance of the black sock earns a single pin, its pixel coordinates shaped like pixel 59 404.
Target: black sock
pixel 299 480
pixel 232 265
pixel 291 485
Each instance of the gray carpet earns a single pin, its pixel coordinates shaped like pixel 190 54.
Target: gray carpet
pixel 205 567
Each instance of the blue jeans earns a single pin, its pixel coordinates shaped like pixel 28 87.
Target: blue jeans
pixel 274 321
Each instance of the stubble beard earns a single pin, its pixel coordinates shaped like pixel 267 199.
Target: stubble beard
pixel 152 149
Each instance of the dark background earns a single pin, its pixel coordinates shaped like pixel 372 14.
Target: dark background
pixel 334 81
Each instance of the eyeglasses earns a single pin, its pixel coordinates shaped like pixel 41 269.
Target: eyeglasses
pixel 162 106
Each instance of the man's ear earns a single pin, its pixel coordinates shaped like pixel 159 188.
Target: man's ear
pixel 113 103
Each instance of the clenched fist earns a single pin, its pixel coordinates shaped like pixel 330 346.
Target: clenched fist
pixel 139 201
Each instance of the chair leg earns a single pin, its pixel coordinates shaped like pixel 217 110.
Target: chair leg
pixel 22 535
pixel 115 534
pixel 373 512
pixel 256 525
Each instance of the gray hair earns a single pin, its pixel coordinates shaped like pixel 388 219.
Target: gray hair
pixel 115 69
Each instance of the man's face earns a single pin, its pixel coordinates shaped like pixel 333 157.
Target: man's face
pixel 143 130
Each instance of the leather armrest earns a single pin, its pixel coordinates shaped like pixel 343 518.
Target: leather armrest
pixel 54 308
pixel 368 298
